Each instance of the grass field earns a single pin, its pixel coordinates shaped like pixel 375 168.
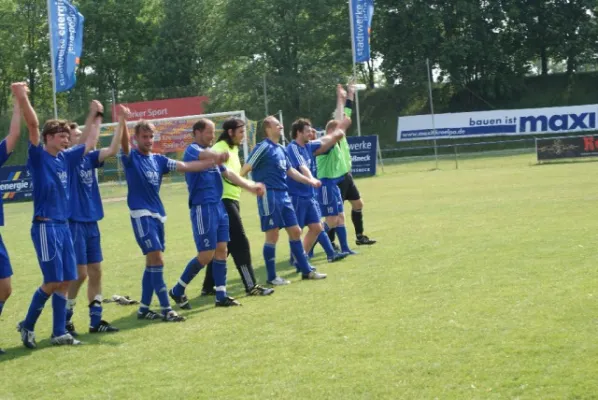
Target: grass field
pixel 483 285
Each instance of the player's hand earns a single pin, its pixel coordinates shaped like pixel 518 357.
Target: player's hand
pixel 315 183
pixel 351 90
pixel 19 89
pixel 123 112
pixel 258 189
pixel 222 158
pixel 96 107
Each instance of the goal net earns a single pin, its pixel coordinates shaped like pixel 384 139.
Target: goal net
pixel 172 136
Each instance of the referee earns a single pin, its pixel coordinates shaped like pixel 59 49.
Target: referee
pixel 229 141
pixel 347 186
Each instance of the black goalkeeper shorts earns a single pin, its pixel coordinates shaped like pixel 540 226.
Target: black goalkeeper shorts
pixel 348 189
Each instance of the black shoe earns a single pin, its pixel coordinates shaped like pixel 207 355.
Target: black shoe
pixel 227 302
pixel 363 239
pixel 149 314
pixel 103 327
pixel 336 247
pixel 2 352
pixel 181 301
pixel 70 328
pixel 258 290
pixel 208 292
pixel 172 316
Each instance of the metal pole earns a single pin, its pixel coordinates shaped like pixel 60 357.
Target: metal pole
pixel 432 110
pixel 265 96
pixel 354 71
pixel 49 2
pixel 284 140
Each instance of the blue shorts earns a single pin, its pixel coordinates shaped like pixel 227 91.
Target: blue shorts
pixel 210 226
pixel 5 269
pixel 86 239
pixel 276 210
pixel 149 232
pixel 307 210
pixel 54 247
pixel 331 202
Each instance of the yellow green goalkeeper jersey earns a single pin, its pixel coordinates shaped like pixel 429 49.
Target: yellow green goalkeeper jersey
pixel 230 191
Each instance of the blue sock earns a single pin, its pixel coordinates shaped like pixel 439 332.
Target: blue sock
pixel 219 274
pixel 35 308
pixel 59 314
pixel 341 231
pixel 270 259
pixel 326 244
pixel 1 307
pixel 70 309
pixel 191 270
pixel 160 288
pixel 95 312
pixel 300 257
pixel 326 228
pixel 147 290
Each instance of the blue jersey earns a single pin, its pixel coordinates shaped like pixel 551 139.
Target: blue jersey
pixel 269 164
pixel 298 156
pixel 50 175
pixel 4 154
pixel 86 203
pixel 204 187
pixel 144 178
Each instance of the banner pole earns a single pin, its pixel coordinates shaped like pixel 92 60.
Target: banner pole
pixel 49 2
pixel 354 69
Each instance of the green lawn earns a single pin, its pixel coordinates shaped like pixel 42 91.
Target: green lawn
pixel 482 285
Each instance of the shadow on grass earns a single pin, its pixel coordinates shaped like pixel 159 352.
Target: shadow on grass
pixel 198 303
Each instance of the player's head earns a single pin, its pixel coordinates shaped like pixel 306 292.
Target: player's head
pixel 56 135
pixel 301 130
pixel 273 128
pixel 233 131
pixel 203 132
pixel 144 134
pixel 75 133
pixel 331 126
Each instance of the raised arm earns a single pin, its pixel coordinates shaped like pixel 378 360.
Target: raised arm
pixel 96 109
pixel 94 133
pixel 111 151
pixel 15 128
pixel 330 140
pixel 21 93
pixel 256 188
pixel 124 140
pixel 341 96
pixel 297 176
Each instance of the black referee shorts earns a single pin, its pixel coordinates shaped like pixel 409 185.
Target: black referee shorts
pixel 348 189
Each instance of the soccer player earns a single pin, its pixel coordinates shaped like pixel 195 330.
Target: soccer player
pixel 270 166
pixel 233 133
pixel 209 218
pixel 51 167
pixel 6 147
pixel 301 152
pixel 86 211
pixel 346 185
pixel 144 171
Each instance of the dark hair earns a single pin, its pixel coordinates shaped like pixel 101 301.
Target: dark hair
pixel 55 126
pixel 143 125
pixel 298 126
pixel 200 125
pixel 228 124
pixel 73 125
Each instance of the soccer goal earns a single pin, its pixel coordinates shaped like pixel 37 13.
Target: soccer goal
pixel 173 135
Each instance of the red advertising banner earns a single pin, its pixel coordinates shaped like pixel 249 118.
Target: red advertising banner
pixel 169 108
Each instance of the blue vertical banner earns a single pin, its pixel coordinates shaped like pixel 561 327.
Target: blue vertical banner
pixel 362 12
pixel 66 30
pixel 363 154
